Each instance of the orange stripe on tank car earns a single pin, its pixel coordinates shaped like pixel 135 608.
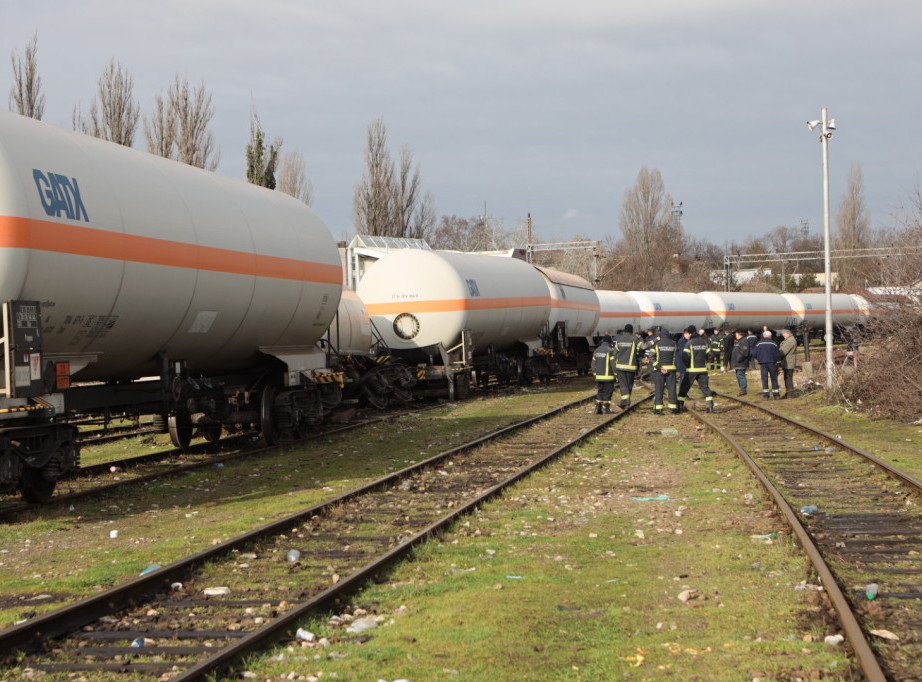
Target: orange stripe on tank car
pixel 573 305
pixel 671 313
pixel 455 304
pixel 25 233
pixel 739 313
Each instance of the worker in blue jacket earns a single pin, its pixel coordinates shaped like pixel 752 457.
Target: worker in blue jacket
pixel 768 356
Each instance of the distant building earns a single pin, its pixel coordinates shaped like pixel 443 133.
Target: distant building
pixel 719 277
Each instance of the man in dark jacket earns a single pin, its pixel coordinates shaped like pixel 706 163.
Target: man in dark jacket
pixel 751 341
pixel 739 359
pixel 768 356
pixel 696 357
pixel 604 370
pixel 662 356
pixel 626 362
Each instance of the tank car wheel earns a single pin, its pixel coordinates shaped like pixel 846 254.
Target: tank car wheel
pixel 211 431
pixel 266 423
pixel 180 426
pixel 159 422
pixel 375 399
pixel 35 488
pixel 462 386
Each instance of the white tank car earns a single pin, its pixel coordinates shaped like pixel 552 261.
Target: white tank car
pixel 350 331
pixel 738 309
pixel 810 309
pixel 616 310
pixel 419 298
pixel 132 255
pixel 573 301
pixel 671 310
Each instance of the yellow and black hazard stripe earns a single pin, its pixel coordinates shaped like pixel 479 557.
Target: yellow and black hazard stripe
pixel 328 378
pixel 22 408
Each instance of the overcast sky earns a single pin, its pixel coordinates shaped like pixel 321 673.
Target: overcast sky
pixel 530 106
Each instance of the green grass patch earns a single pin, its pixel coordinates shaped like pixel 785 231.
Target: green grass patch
pixel 567 577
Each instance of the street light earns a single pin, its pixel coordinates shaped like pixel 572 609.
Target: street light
pixel 828 125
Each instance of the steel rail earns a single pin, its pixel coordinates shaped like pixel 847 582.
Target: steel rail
pixel 885 466
pixel 257 639
pixel 863 652
pixel 72 617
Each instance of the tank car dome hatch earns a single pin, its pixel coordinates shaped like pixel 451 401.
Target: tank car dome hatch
pixel 406 326
pixel 170 259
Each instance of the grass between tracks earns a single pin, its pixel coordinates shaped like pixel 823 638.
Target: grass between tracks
pixel 577 574
pixel 57 554
pixel 565 577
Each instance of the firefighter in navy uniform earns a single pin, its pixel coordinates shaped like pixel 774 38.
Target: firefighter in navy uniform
pixel 626 362
pixel 715 349
pixel 603 366
pixel 696 356
pixel 662 356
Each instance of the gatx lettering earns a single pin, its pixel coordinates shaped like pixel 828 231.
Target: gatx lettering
pixel 60 195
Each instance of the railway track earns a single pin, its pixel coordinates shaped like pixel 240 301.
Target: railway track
pixel 201 614
pixel 858 519
pixel 105 477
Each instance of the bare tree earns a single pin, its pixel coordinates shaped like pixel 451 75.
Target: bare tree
pixel 114 113
pixel 652 233
pixel 389 199
pixel 292 178
pixel 423 220
pixel 160 129
pixel 894 329
pixel 261 160
pixel 372 204
pixel 406 190
pixel 853 228
pixel 179 127
pixel 26 95
pixel 480 233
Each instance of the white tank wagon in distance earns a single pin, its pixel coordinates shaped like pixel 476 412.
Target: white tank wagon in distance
pixel 670 310
pixel 451 313
pixel 143 266
pixel 809 310
pixel 726 310
pixel 616 310
pixel 746 310
pixel 573 319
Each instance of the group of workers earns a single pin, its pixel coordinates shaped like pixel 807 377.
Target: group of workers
pixel 676 364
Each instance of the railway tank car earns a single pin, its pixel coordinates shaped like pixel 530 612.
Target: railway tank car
pixel 671 310
pixel 747 310
pixel 451 312
pixel 617 309
pixel 573 318
pixel 116 265
pixel 726 310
